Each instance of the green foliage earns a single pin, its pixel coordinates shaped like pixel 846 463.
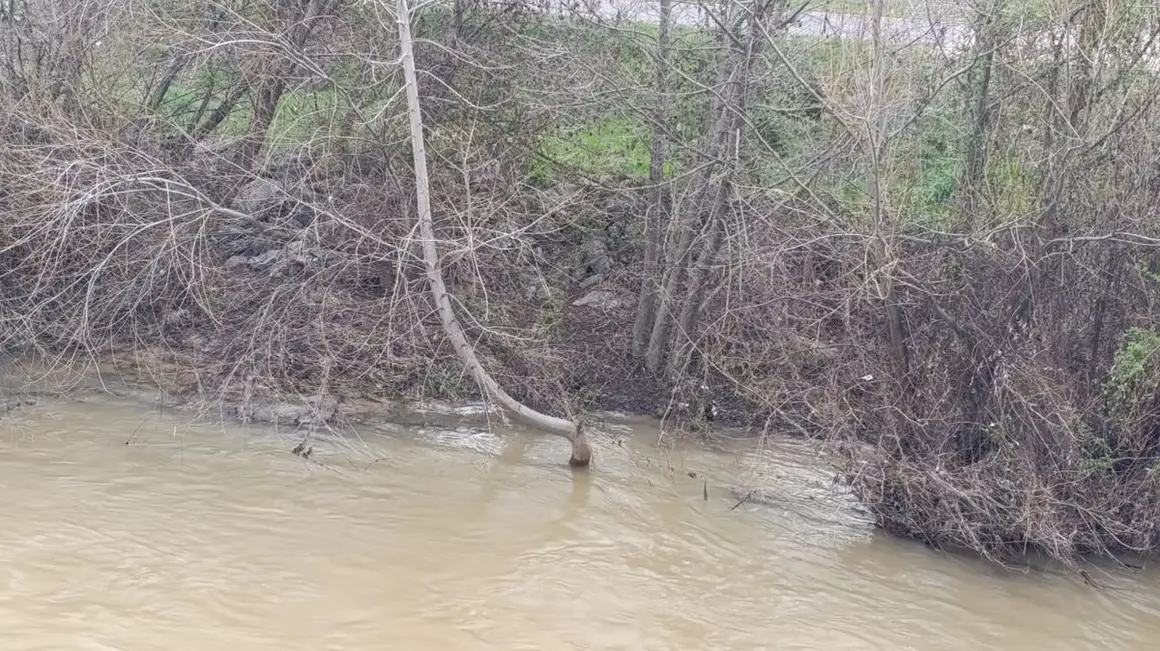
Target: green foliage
pixel 551 312
pixel 926 173
pixel 605 139
pixel 612 145
pixel 1098 456
pixel 1133 375
pixel 1012 186
pixel 786 122
pixel 301 114
pixel 938 173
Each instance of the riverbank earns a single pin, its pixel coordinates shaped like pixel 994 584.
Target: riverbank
pixel 876 256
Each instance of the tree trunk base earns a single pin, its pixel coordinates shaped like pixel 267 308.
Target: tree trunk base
pixel 581 451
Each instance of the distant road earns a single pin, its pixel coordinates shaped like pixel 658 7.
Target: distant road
pixel 945 29
pixel 897 30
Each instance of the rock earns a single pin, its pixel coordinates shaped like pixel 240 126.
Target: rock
pixel 594 261
pixel 175 317
pixel 236 241
pixel 259 195
pixel 291 258
pixel 302 215
pixel 284 413
pixel 256 262
pixel 621 212
pixel 602 299
pixel 591 281
pixel 292 414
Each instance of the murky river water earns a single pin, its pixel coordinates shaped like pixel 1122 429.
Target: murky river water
pixel 124 529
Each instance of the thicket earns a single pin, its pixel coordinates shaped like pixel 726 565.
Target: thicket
pixel 939 255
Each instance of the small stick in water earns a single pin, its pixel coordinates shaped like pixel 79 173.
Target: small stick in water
pixel 129 441
pixel 744 499
pixel 705 490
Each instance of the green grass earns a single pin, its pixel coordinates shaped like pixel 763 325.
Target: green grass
pixel 613 145
pixel 1133 377
pixel 936 165
pixel 609 139
pixel 923 171
pixel 1012 186
pixel 303 115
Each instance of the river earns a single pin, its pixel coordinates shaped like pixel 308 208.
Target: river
pixel 122 528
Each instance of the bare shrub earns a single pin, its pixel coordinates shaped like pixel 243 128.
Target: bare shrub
pixel 938 257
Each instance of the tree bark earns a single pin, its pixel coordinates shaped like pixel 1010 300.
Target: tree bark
pixel 658 344
pixel 177 62
pixel 267 94
pixel 885 225
pixel 220 113
pixel 691 211
pixel 657 216
pixel 698 287
pixel 299 21
pixel 573 432
pixel 978 109
pixel 729 124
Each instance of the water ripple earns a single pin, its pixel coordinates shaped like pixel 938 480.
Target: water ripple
pixel 208 538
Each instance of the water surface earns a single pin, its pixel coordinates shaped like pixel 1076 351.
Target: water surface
pixel 124 529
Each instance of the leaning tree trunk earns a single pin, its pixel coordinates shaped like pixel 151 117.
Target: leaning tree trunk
pixel 581 449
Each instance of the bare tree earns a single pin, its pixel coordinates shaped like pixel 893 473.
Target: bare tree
pixel 298 21
pixel 986 41
pixel 703 208
pixel 573 432
pixel 657 218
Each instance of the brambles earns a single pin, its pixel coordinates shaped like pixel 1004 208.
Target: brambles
pixel 937 256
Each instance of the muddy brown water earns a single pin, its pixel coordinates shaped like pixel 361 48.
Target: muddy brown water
pixel 122 528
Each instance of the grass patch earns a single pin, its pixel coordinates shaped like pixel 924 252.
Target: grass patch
pixel 612 145
pixel 1132 375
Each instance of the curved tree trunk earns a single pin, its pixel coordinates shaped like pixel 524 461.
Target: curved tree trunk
pixel 581 449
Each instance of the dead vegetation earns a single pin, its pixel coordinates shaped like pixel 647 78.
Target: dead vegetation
pixel 954 287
